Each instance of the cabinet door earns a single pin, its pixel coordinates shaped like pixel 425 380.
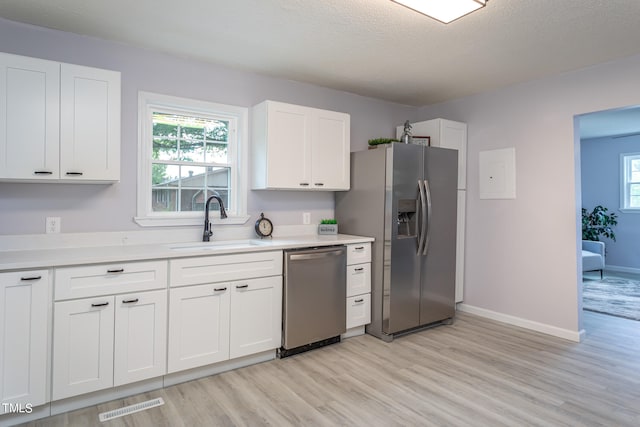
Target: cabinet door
pixel 288 146
pixel 330 149
pixel 89 124
pixel 358 310
pixel 24 333
pixel 198 326
pixel 454 135
pixel 82 346
pixel 140 336
pixel 256 315
pixel 29 117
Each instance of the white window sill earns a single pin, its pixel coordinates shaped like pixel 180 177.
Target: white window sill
pixel 630 210
pixel 158 221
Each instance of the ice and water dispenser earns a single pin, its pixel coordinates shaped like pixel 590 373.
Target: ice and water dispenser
pixel 407 217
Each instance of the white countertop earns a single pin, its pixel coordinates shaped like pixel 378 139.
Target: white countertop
pixel 45 258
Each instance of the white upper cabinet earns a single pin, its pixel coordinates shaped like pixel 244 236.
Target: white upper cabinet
pixel 58 121
pixel 89 124
pixel 299 148
pixel 29 118
pixel 446 134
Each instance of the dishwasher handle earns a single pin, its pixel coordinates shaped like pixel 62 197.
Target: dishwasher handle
pixel 316 255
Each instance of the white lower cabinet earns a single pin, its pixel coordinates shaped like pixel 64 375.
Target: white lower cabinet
pixel 358 285
pixel 358 310
pixel 24 338
pixel 256 316
pixel 140 343
pixel 82 346
pixel 221 321
pixel 198 326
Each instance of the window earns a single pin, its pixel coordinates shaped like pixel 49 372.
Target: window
pixel 189 150
pixel 630 182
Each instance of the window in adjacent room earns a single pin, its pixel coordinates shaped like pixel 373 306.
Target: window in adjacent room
pixel 630 182
pixel 188 151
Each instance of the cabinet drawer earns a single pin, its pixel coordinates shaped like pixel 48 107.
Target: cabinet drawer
pixel 358 253
pixel 358 310
pixel 358 279
pixel 109 279
pixel 220 268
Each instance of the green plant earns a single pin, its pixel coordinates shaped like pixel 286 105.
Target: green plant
pixel 598 222
pixel 328 221
pixel 378 141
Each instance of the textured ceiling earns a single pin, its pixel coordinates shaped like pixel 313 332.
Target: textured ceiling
pixel 374 48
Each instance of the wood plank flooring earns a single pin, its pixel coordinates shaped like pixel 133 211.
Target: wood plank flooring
pixel 476 372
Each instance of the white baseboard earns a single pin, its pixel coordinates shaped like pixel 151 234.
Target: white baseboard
pixel 622 269
pixel 566 334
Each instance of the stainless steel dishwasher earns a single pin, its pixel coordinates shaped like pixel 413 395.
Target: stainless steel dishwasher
pixel 314 298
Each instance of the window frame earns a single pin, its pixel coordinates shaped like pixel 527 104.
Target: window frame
pixel 149 102
pixel 625 181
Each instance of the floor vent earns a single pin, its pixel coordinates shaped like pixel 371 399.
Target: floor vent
pixel 106 416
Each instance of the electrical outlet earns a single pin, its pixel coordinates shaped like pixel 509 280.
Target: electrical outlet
pixel 306 218
pixel 53 224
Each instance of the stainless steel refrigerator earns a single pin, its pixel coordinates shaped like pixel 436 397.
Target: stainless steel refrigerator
pixel 405 196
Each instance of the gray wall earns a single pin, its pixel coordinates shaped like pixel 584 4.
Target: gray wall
pixel 600 160
pixel 521 254
pixel 86 208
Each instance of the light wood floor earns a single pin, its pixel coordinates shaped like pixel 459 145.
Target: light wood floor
pixel 475 372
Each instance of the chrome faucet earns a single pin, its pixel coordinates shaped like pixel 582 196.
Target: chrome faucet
pixel 207 225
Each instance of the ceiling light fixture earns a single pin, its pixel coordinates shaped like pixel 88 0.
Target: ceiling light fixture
pixel 443 10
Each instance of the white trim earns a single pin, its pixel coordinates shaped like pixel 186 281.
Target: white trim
pixel 630 210
pixel 240 173
pixel 621 269
pixel 566 334
pixel 157 221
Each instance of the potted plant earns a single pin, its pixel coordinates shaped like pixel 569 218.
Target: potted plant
pixel 328 226
pixel 373 143
pixel 598 222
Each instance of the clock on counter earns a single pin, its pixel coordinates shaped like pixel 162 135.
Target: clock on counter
pixel 264 227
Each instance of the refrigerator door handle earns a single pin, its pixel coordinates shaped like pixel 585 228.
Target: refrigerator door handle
pixel 427 232
pixel 422 229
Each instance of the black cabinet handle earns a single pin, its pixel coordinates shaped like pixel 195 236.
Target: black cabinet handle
pixel 26 279
pixel 359 248
pixel 359 300
pixel 219 289
pixel 241 286
pixel 100 304
pixel 358 269
pixel 130 301
pixel 43 173
pixel 119 270
pixel 75 173
pixel 304 184
pixel 320 184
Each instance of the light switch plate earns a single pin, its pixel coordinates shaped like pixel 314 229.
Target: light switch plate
pixel 498 174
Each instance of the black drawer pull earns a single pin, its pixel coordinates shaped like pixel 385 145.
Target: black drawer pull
pixel 130 301
pixel 359 248
pixel 320 184
pixel 241 286
pixel 119 270
pixel 304 184
pixel 75 173
pixel 100 304
pixel 359 300
pixel 43 173
pixel 26 279
pixel 358 269
pixel 219 289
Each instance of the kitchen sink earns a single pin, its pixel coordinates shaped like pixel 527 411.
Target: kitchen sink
pixel 220 245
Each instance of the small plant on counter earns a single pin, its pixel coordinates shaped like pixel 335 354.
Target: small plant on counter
pixel 328 226
pixel 378 141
